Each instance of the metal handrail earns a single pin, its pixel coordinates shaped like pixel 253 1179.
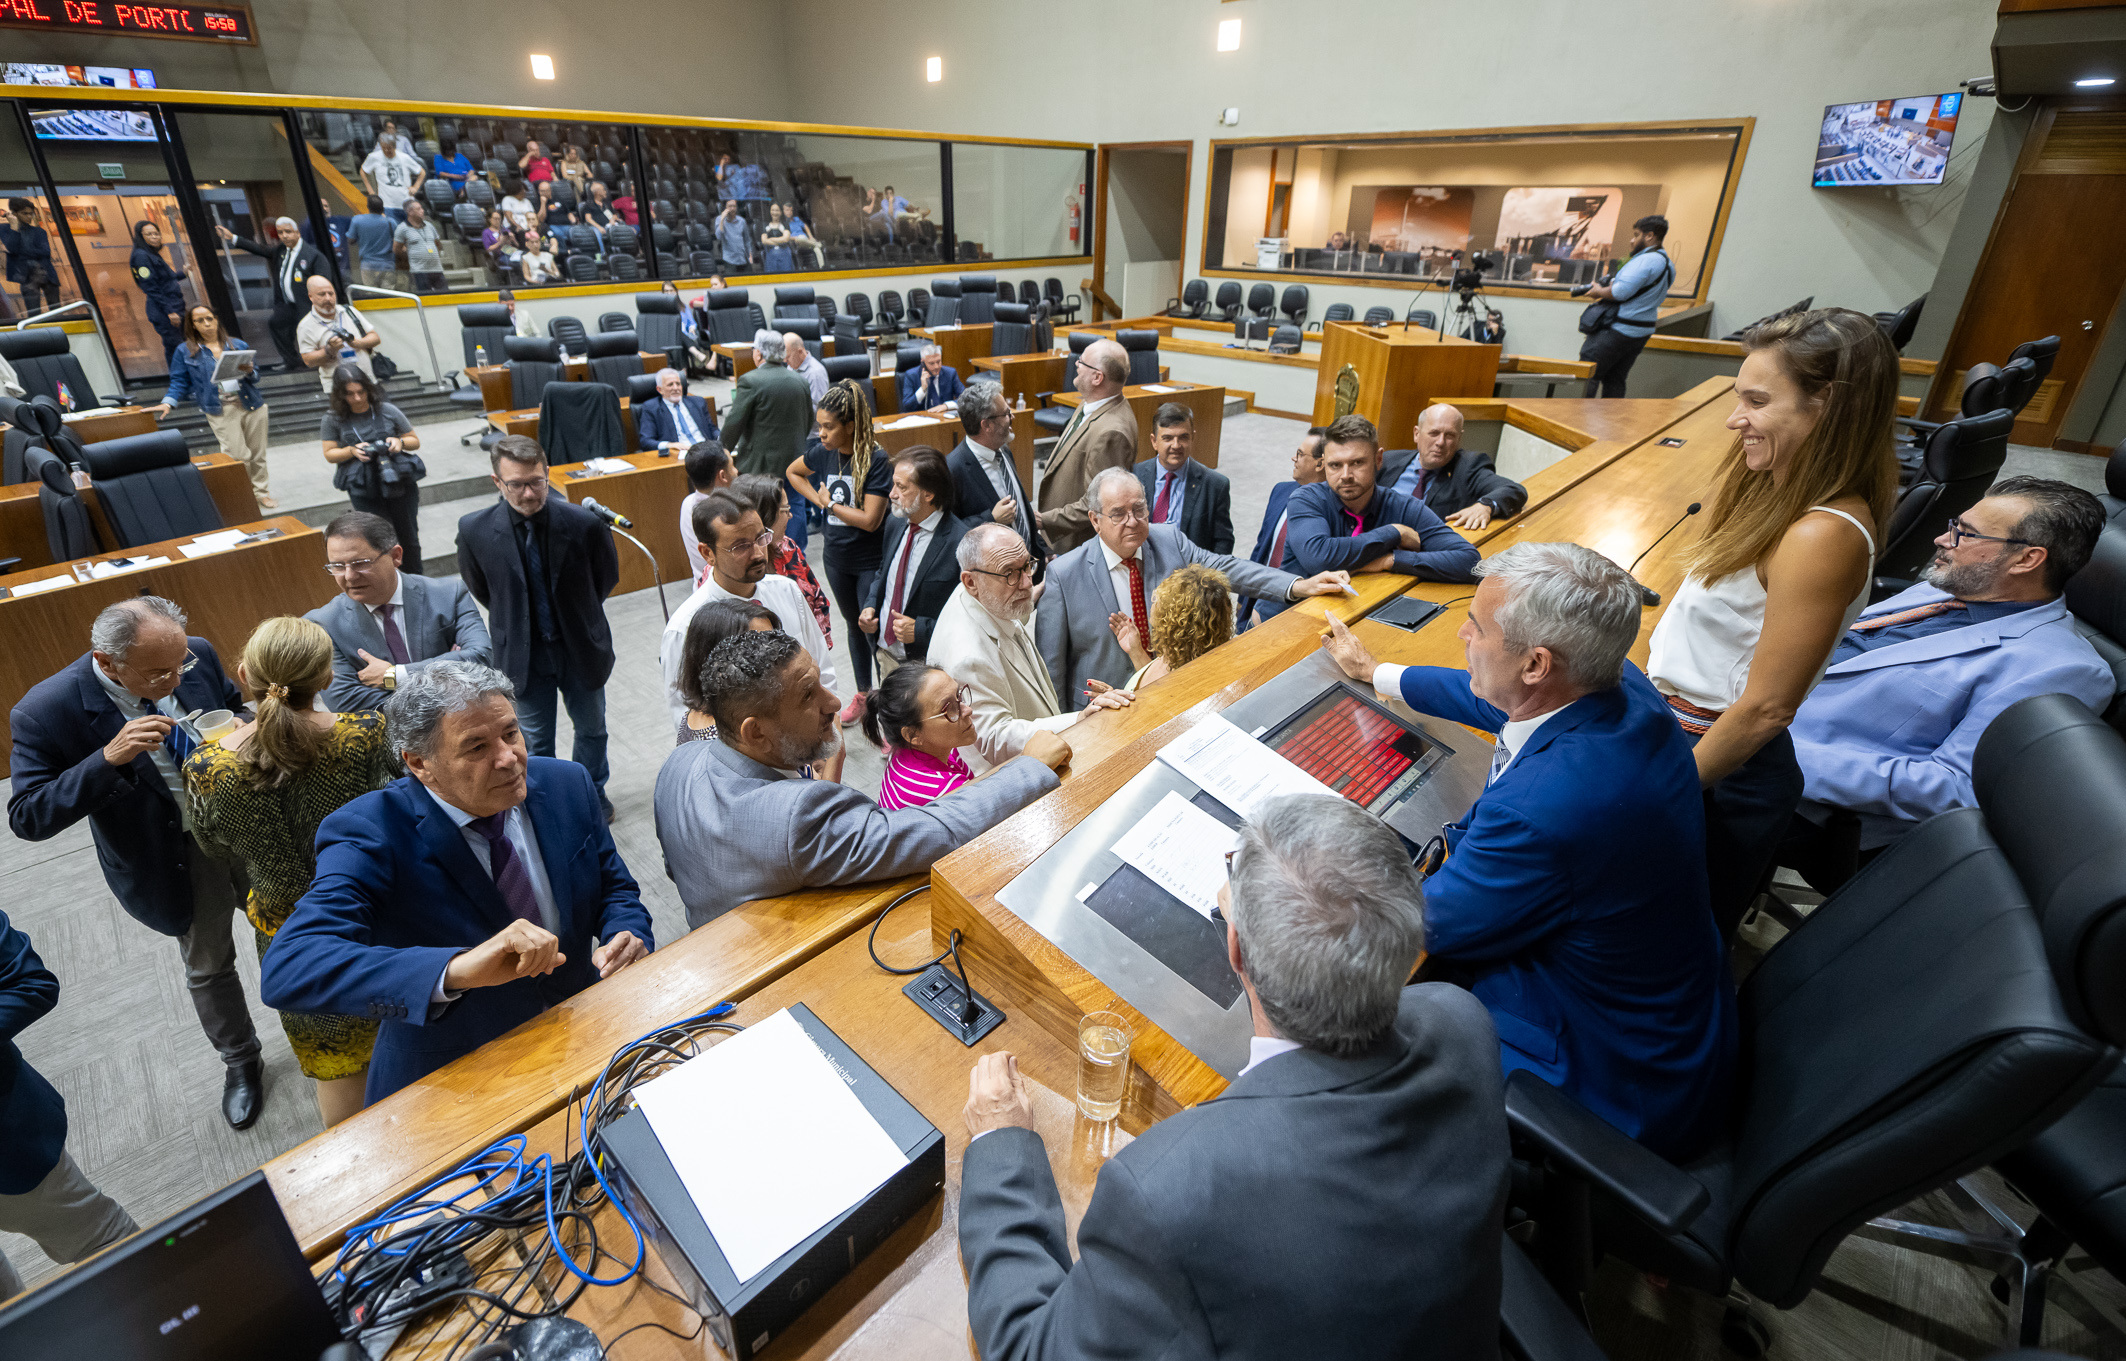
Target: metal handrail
pixel 420 312
pixel 96 316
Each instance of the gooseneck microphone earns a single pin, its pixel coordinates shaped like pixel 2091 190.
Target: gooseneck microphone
pixel 1647 596
pixel 614 517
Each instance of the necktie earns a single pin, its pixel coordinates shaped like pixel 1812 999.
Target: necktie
pixel 1069 430
pixel 1883 621
pixel 1136 599
pixel 1424 481
pixel 1500 755
pixel 1277 548
pixel 900 584
pixel 508 871
pixel 535 581
pixel 394 641
pixel 179 741
pixel 683 422
pixel 1166 483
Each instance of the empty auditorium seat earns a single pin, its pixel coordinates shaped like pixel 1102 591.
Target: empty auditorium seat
pixel 150 489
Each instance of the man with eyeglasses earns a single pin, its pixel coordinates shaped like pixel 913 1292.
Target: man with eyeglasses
pixel 1102 435
pixel 105 740
pixel 387 623
pixel 1886 738
pixel 543 569
pixel 739 551
pixel 985 478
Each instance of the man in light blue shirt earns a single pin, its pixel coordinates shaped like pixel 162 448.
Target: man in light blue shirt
pixel 734 237
pixel 1637 289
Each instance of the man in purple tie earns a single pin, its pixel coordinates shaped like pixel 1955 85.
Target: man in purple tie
pixel 387 623
pixel 464 899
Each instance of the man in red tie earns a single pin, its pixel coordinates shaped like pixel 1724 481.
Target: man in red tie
pixel 922 567
pixel 1194 499
pixel 386 623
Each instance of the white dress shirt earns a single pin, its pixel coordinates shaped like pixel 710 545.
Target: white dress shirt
pixel 1005 479
pixel 1118 573
pixel 525 842
pixel 778 593
pixel 906 562
pixel 1263 1048
pixel 683 422
pixel 133 706
pixel 1176 484
pixel 1515 736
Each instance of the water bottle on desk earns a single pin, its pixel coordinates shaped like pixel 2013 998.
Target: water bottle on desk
pixel 479 356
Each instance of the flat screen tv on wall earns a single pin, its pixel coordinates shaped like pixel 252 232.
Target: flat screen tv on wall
pixel 1886 141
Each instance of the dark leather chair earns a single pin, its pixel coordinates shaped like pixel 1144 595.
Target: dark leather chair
pixel 1064 305
pixel 615 357
pixel 858 306
pixel 1424 319
pixel 1915 1027
pixel 918 306
pixel 656 326
pixel 621 239
pixel 1961 460
pixel 2114 497
pixel 1143 347
pixel 825 303
pixel 944 306
pixel 702 263
pixel 730 317
pixel 581 269
pixel 856 366
pixel 891 313
pixel 35 422
pixel 68 531
pixel 2040 353
pixel 805 328
pixel 1030 292
pixel 615 321
pixel 45 364
pixel 1006 293
pixel 579 421
pixel 1051 419
pixel 1227 303
pixel 757 317
pixel 150 489
pixel 1012 332
pixel 1793 310
pixel 624 269
pixel 1379 316
pixel 2096 597
pixel 1534 1323
pixel 1286 339
pixel 1194 301
pixel 441 199
pixel 534 361
pixel 1337 311
pixel 1898 325
pixel 1294 305
pixel 569 331
pixel 796 300
pixel 470 220
pixel 640 388
pixel 848 336
pixel 978 299
pixel 907 355
pixel 1262 302
pixel 482 327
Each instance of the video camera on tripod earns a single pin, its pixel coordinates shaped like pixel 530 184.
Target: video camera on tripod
pixel 1469 279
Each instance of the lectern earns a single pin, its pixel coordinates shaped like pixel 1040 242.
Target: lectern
pixel 1399 372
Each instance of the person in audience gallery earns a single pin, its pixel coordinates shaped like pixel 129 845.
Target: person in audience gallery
pixel 674 420
pixel 291 261
pixel 921 568
pixel 372 446
pixel 1102 435
pixel 1350 521
pixel 103 740
pixel 985 639
pixel 921 717
pixel 258 796
pixel 1885 741
pixel 1111 579
pixel 451 166
pixel 711 624
pixel 535 260
pixel 1572 900
pixel 517 209
pixel 399 922
pixel 393 175
pixel 771 497
pixel 370 238
pixel 543 567
pixel 1459 485
pixel 708 467
pixel 1780 572
pixel 930 383
pixel 332 335
pixel 771 410
pixel 417 236
pixel 1192 613
pixel 235 409
pixel 1343 1197
pixel 738 822
pixel 985 476
pixel 1276 517
pixel 535 165
pixel 387 622
pixel 858 479
pixel 1183 493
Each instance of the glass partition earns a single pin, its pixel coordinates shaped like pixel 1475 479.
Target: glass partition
pixel 38 276
pixel 870 201
pixel 1016 202
pixel 245 173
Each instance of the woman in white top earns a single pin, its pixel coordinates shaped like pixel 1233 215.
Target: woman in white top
pixel 1782 569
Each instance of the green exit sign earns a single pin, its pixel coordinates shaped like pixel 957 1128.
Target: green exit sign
pixel 109 170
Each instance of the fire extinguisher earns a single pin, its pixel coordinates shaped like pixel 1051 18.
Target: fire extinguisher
pixel 1070 206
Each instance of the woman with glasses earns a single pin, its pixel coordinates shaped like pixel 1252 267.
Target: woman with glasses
pixel 920 716
pixel 1782 568
pixel 371 443
pixel 257 798
pixel 858 477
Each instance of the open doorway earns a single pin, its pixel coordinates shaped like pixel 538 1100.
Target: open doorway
pixel 1143 192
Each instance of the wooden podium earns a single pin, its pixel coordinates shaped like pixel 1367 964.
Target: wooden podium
pixel 1399 372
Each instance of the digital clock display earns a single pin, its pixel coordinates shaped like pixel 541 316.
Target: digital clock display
pixel 196 23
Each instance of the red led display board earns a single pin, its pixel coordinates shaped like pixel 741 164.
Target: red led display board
pixel 195 23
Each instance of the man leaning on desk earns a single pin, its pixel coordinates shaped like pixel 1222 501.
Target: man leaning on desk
pixel 1461 486
pixel 464 898
pixel 1342 1198
pixel 386 623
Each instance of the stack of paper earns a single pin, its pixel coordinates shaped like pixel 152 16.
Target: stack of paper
pixel 212 543
pixel 1182 849
pixel 908 422
pixel 1234 768
pixel 1162 387
pixel 48 584
pixel 111 569
pixel 609 465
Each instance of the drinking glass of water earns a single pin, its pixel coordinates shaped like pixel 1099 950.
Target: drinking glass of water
pixel 1103 1064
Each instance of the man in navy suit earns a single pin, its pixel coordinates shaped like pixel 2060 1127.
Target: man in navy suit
pixel 1182 492
pixel 43 1194
pixel 985 477
pixel 101 740
pixel 675 421
pixel 461 900
pixel 1276 517
pixel 922 558
pixel 929 383
pixel 1573 901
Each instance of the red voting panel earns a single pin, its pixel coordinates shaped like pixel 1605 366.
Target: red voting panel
pixel 1350 746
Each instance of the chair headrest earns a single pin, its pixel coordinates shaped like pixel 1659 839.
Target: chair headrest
pixel 38 417
pixel 578 394
pixel 1969 446
pixel 727 299
pixel 1138 340
pixel 483 314
pixel 978 283
pixel 857 366
pixel 42 465
pixel 137 454
pixel 806 329
pixel 1228 292
pixel 945 288
pixel 1011 312
pixel 2115 471
pixel 2038 351
pixel 34 343
pixel 1982 389
pixel 907 355
pixel 641 387
pixel 1080 341
pixel 606 344
pixel 2097 593
pixel 536 349
pixel 1295 296
pixel 666 303
pixel 792 295
pixel 2050 776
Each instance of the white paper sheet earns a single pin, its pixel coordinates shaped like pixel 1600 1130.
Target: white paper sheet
pixel 48 584
pixel 1182 849
pixel 907 422
pixel 609 465
pixel 768 1139
pixel 1162 387
pixel 211 543
pixel 1234 768
pixel 100 570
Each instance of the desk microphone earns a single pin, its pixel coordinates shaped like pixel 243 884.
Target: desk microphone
pixel 1646 595
pixel 614 517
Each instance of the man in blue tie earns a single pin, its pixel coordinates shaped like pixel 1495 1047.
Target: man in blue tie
pixel 675 422
pixel 102 740
pixel 1183 493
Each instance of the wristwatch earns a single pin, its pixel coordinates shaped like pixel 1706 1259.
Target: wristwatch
pixel 390 679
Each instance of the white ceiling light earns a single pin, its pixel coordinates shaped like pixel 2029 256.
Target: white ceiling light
pixel 542 67
pixel 2094 81
pixel 934 70
pixel 1228 35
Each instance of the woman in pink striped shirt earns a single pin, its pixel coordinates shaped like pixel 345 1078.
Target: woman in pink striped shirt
pixel 920 716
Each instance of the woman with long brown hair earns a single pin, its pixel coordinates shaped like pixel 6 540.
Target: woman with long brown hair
pixel 858 479
pixel 258 796
pixel 1782 568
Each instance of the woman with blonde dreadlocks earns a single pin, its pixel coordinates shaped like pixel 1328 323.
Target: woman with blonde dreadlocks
pixel 856 478
pixel 258 796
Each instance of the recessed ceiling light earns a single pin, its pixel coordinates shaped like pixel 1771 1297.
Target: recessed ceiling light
pixel 1228 35
pixel 934 70
pixel 542 67
pixel 2095 81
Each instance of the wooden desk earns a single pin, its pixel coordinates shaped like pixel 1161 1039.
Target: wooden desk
pixel 958 346
pixel 22 517
pixel 1028 375
pixel 110 422
pixel 1208 404
pixel 895 434
pixel 650 496
pixel 226 594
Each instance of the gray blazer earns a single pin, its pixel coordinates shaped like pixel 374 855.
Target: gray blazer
pixel 734 830
pixel 1072 621
pixel 1322 1206
pixel 438 618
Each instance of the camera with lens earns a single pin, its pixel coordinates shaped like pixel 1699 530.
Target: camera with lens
pixel 1472 278
pixel 1580 290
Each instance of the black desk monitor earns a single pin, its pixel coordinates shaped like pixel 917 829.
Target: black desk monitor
pixel 221 1281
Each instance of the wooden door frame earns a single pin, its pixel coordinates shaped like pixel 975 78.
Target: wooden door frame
pixel 1100 168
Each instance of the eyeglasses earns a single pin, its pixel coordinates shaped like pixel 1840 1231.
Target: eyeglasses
pixel 764 539
pixel 958 702
pixel 1022 572
pixel 528 484
pixel 1959 531
pixel 1140 511
pixel 358 567
pixel 163 677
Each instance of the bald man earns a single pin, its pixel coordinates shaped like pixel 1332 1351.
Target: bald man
pixel 804 365
pixel 1459 485
pixel 331 334
pixel 1102 435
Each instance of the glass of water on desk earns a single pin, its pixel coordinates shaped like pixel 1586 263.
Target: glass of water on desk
pixel 1103 1064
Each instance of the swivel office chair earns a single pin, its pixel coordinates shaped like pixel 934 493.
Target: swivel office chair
pixel 2114 497
pixel 978 299
pixel 68 531
pixel 534 362
pixel 1262 302
pixel 569 331
pixel 656 326
pixel 1011 332
pixel 1064 305
pixel 1005 291
pixel 1143 348
pixel 150 489
pixel 1051 419
pixel 1228 301
pixel 796 300
pixel 944 306
pixel 2096 597
pixel 1961 460
pixel 579 421
pixel 1379 316
pixel 918 306
pixel 615 356
pixel 1898 325
pixel 48 368
pixel 615 321
pixel 32 422
pixel 1294 305
pixel 482 328
pixel 1337 311
pixel 857 366
pixel 1194 301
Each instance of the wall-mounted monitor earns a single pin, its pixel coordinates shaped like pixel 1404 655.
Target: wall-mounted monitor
pixel 85 125
pixel 1886 141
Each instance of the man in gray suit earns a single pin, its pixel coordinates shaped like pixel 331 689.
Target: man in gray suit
pixel 1105 585
pixel 1343 1197
pixel 739 819
pixel 385 622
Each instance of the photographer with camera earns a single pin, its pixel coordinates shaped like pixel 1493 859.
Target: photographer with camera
pixel 372 445
pixel 1619 323
pixel 332 334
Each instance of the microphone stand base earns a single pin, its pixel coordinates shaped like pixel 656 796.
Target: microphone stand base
pixel 1648 597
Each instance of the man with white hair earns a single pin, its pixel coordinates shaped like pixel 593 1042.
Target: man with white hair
pixel 673 421
pixel 930 383
pixel 292 261
pixel 804 365
pixel 1343 1197
pixel 771 411
pixel 1573 900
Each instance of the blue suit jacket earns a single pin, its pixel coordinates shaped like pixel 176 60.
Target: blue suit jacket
pixel 1264 538
pixel 32 1113
pixel 1889 734
pixel 946 388
pixel 655 424
pixel 398 892
pixel 1573 904
pixel 1320 539
pixel 60 777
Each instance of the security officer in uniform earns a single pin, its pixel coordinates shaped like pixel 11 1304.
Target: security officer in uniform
pixel 163 285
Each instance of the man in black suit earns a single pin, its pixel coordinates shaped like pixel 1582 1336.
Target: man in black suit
pixel 1459 485
pixel 922 567
pixel 1183 493
pixel 543 568
pixel 101 740
pixel 1342 1197
pixel 292 261
pixel 985 477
